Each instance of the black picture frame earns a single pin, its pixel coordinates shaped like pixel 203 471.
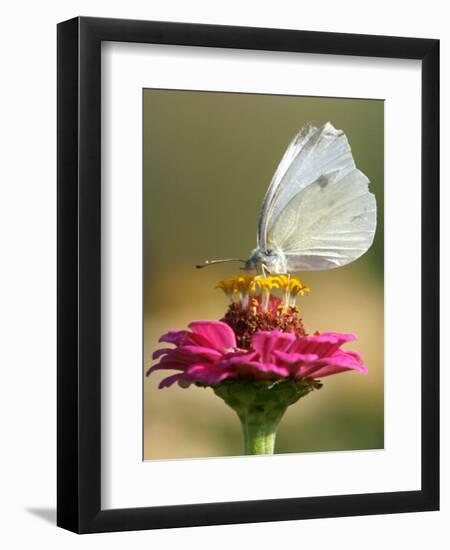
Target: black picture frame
pixel 79 280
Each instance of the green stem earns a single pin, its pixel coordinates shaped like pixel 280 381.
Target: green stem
pixel 260 406
pixel 259 438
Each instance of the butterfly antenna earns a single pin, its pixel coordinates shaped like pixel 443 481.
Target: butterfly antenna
pixel 212 262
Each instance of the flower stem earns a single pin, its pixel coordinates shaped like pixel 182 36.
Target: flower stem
pixel 259 437
pixel 260 406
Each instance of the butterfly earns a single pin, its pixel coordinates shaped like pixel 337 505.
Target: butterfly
pixel 318 212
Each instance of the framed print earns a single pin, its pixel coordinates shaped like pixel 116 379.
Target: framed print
pixel 206 376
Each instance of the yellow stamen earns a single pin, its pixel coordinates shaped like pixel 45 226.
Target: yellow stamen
pixel 241 288
pixel 267 283
pixel 294 288
pixel 228 287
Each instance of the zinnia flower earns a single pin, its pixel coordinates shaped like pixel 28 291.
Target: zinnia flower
pixel 258 358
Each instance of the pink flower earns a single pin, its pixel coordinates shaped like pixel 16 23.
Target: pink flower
pixel 208 354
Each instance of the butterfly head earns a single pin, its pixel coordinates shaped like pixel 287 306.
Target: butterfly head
pixel 271 260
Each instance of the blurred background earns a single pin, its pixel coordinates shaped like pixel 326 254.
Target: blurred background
pixel 208 160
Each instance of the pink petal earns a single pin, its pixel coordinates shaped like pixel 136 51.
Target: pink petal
pixel 342 336
pixel 340 361
pixel 179 355
pixel 176 337
pixel 183 337
pixel 350 359
pixel 218 334
pixel 357 356
pixel 169 365
pixel 327 371
pixel 305 371
pixel 201 351
pixel 169 380
pixel 239 357
pixel 206 374
pixel 159 352
pixel 266 343
pixel 323 344
pixel 295 358
pixel 244 366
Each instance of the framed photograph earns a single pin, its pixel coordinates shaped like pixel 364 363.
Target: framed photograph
pixel 248 288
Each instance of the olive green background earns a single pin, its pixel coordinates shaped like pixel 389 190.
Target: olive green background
pixel 208 160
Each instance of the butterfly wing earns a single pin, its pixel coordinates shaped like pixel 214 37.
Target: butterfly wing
pixel 314 152
pixel 318 209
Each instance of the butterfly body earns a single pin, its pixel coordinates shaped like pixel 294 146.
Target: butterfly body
pixel 272 260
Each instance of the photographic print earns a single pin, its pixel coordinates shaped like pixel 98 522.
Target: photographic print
pixel 263 314
pixel 222 253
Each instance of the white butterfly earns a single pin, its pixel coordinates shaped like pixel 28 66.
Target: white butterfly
pixel 318 212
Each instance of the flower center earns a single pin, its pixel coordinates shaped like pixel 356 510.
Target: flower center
pixel 262 303
pixel 245 321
